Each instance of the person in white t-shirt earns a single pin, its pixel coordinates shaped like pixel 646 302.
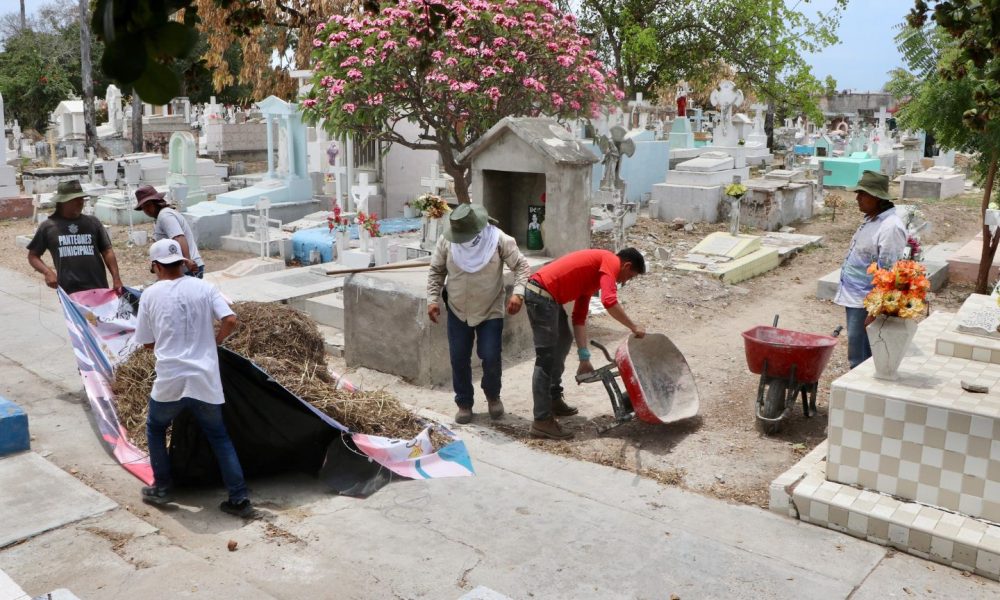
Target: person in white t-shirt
pixel 176 316
pixel 170 225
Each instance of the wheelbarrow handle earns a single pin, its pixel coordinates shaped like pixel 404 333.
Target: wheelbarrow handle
pixel 597 344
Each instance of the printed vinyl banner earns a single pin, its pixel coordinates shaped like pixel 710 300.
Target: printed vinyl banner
pixel 273 430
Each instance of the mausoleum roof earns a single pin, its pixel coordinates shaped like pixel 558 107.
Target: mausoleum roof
pixel 546 136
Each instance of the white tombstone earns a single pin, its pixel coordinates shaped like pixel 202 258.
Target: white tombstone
pixel 436 182
pixel 361 192
pixel 116 116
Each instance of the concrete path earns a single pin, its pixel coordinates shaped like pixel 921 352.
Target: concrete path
pixel 530 524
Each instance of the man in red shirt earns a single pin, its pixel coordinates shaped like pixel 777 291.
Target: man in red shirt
pixel 574 277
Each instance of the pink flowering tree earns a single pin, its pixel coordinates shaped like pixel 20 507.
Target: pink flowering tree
pixel 454 67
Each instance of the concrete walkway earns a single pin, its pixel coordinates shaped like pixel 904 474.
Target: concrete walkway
pixel 531 524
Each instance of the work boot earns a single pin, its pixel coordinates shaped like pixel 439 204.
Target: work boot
pixel 244 508
pixel 549 429
pixel 561 409
pixel 159 496
pixel 496 407
pixel 464 415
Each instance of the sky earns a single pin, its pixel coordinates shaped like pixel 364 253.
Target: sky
pixel 866 52
pixel 861 61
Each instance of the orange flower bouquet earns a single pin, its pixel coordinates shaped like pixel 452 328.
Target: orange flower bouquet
pixel 899 291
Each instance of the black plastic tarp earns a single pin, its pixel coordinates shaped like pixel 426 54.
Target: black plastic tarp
pixel 274 431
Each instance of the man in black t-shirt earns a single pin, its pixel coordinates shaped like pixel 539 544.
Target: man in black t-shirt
pixel 78 244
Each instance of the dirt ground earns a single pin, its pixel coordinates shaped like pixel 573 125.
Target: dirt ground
pixel 719 452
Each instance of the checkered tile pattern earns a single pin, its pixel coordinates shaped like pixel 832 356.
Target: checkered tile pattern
pixel 924 531
pixel 950 342
pixel 921 437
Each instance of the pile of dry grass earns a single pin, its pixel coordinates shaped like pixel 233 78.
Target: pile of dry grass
pixel 287 345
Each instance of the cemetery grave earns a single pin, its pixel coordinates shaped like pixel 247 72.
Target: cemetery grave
pixel 719 452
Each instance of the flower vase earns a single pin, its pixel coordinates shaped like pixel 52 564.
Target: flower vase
pixel 364 238
pixel 381 251
pixel 889 338
pixel 343 244
pixel 409 212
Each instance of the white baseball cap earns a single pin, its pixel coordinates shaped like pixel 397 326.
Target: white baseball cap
pixel 166 252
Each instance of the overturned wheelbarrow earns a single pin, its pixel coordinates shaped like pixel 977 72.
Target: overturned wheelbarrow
pixel 659 385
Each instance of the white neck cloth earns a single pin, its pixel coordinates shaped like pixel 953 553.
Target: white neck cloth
pixel 473 255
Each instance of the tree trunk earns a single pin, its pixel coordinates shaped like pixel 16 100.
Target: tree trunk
pixel 87 76
pixel 990 241
pixel 24 17
pixel 136 122
pixel 460 173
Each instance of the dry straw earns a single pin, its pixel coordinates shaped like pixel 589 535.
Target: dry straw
pixel 286 344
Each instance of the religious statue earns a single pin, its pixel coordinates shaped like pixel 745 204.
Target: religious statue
pixel 331 153
pixel 613 148
pixel 683 89
pixel 724 99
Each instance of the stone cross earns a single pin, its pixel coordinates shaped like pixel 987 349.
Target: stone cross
pixel 436 182
pixel 726 98
pixel 882 115
pixel 361 192
pixel 340 173
pixel 261 224
pixel 697 119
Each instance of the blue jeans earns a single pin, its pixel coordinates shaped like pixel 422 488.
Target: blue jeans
pixel 553 340
pixel 488 337
pixel 858 348
pixel 209 417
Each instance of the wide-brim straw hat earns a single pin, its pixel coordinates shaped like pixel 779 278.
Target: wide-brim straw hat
pixel 69 190
pixel 874 184
pixel 465 223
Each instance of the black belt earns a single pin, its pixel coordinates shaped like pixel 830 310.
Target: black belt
pixel 531 285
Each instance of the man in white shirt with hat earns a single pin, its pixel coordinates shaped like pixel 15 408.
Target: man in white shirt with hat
pixel 176 317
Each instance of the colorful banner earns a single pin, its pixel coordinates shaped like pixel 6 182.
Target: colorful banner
pixel 101 325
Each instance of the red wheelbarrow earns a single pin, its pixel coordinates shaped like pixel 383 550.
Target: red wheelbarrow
pixel 789 364
pixel 659 385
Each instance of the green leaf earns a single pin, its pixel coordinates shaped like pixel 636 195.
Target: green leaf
pixel 125 58
pixel 158 84
pixel 172 39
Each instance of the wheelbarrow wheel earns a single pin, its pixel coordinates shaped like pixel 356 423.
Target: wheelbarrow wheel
pixel 774 406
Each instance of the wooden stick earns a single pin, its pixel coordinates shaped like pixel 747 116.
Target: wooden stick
pixel 400 265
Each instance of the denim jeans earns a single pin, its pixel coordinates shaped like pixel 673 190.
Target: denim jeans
pixel 858 348
pixel 488 337
pixel 199 273
pixel 209 417
pixel 553 340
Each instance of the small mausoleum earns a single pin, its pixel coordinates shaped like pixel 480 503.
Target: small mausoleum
pixel 533 175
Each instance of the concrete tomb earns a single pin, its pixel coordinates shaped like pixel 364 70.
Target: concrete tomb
pixel 909 463
pixel 694 189
pixel 532 169
pixel 937 182
pixel 846 171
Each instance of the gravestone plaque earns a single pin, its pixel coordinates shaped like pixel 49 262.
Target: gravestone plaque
pixel 982 322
